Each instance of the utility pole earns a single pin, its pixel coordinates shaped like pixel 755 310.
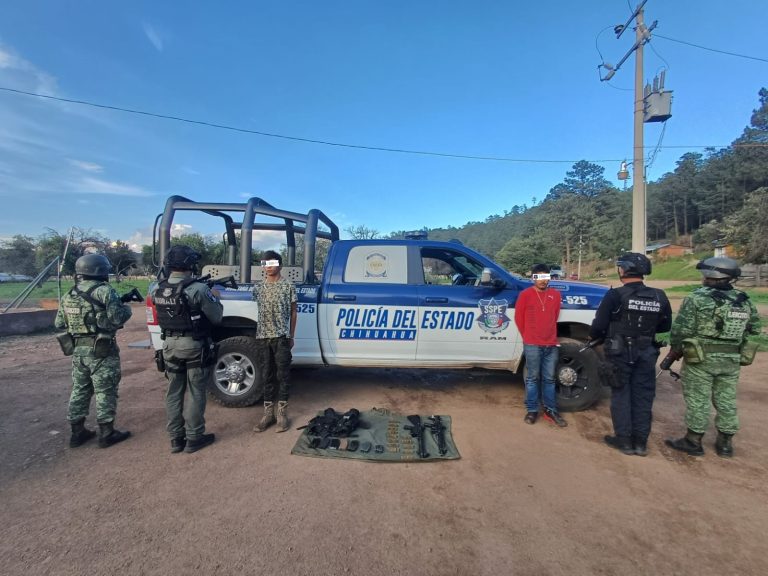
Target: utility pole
pixel 642 35
pixel 638 182
pixel 578 270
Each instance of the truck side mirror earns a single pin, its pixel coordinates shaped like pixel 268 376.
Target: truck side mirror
pixel 489 278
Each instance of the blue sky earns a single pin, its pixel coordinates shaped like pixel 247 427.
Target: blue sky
pixel 482 78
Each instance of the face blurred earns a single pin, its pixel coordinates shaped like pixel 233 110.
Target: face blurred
pixel 271 269
pixel 540 280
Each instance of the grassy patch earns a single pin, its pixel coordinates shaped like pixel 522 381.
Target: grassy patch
pixel 676 269
pixel 49 289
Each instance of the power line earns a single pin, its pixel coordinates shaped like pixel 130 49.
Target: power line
pixel 328 143
pixel 656 35
pixel 285 137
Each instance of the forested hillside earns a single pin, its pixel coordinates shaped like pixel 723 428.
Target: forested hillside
pixel 715 195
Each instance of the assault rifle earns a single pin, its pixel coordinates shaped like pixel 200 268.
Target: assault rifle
pixel 417 431
pixel 438 433
pixel 133 296
pixel 670 359
pixel 226 281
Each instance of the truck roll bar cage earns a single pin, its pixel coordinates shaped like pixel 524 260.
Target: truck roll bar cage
pixel 293 223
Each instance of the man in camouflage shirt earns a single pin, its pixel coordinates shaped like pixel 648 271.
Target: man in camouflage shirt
pixel 276 299
pixel 92 312
pixel 711 330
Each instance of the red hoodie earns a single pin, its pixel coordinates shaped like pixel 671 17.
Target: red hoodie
pixel 536 315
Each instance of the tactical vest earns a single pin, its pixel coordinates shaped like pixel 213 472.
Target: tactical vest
pixel 175 314
pixel 81 310
pixel 730 318
pixel 638 314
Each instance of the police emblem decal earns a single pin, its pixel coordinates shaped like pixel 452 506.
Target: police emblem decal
pixel 493 315
pixel 167 292
pixel 376 265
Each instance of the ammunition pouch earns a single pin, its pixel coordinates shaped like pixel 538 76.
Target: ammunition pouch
pixel 748 352
pixel 159 361
pixel 67 343
pixel 103 345
pixel 693 351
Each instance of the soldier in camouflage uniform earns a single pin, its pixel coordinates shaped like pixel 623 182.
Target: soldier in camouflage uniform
pixel 710 331
pixel 186 311
pixel 276 299
pixel 92 312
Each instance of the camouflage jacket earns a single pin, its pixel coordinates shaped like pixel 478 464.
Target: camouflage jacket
pixel 275 302
pixel 78 316
pixel 715 316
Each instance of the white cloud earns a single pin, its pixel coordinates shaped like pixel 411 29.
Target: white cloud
pixel 139 238
pixel 87 166
pixel 180 229
pixel 268 240
pixel 23 74
pixel 90 185
pixel 189 170
pixel 153 36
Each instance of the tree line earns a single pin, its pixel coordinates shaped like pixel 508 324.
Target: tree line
pixel 719 195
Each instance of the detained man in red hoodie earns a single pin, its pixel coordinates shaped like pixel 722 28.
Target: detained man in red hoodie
pixel 536 313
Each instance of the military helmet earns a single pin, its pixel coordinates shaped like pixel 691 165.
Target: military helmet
pixel 182 257
pixel 719 268
pixel 634 264
pixel 93 265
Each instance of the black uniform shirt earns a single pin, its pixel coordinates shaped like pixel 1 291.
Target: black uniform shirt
pixel 611 304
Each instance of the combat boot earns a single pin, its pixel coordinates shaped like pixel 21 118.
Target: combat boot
pixel 282 416
pixel 80 434
pixel 723 445
pixel 199 443
pixel 622 443
pixel 268 419
pixel 108 436
pixel 690 443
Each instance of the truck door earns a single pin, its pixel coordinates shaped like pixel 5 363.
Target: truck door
pixel 460 321
pixel 368 309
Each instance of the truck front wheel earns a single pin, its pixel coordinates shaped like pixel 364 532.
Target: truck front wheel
pixel 577 378
pixel 236 380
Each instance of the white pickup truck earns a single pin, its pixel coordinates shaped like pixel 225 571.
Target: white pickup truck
pixel 378 303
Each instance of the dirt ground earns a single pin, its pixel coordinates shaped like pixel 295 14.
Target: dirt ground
pixel 529 500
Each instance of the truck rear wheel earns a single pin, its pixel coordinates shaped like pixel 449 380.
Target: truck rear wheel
pixel 577 377
pixel 236 380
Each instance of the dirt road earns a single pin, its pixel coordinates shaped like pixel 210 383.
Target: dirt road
pixel 528 500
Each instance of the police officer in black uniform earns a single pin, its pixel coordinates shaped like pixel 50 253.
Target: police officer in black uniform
pixel 186 311
pixel 628 319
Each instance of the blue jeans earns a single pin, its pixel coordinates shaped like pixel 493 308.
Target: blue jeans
pixel 541 362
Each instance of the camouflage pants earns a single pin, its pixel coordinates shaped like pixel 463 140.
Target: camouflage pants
pixel 94 376
pixel 712 381
pixel 274 356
